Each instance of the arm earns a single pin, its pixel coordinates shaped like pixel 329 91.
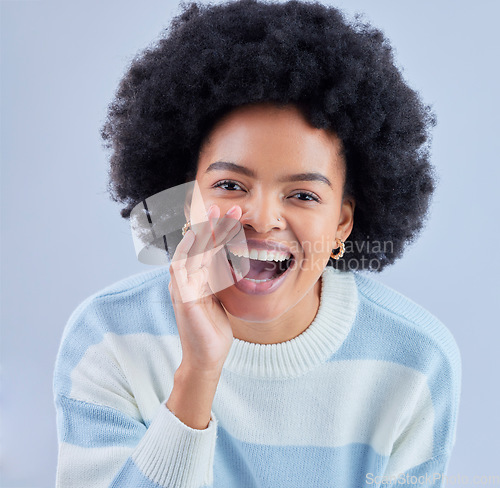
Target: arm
pixel 426 431
pixel 110 390
pixel 105 437
pixel 431 473
pixel 114 426
pixel 192 396
pixel 103 447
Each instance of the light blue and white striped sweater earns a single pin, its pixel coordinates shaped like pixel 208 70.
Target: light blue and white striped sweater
pixel 369 392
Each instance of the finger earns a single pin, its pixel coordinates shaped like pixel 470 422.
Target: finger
pixel 223 235
pixel 204 234
pixel 216 232
pixel 171 290
pixel 178 264
pixel 187 284
pixel 229 228
pixel 225 229
pixel 193 281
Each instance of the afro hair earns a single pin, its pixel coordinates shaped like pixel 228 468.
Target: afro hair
pixel 341 74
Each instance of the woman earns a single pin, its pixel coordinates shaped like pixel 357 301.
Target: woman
pixel 301 136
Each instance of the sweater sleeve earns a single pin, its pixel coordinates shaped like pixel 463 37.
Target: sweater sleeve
pixel 103 447
pixel 109 436
pixel 431 473
pixel 426 430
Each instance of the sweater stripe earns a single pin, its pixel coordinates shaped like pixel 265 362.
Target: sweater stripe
pixel 88 425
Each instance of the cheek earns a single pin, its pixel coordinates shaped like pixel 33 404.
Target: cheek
pixel 316 240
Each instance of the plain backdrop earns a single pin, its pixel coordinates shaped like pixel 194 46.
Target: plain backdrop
pixel 62 238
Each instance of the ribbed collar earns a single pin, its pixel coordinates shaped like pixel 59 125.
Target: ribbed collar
pixel 333 321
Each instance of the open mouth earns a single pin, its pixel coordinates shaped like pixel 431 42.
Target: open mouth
pixel 260 270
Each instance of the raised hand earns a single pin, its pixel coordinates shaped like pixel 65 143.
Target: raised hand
pixel 203 325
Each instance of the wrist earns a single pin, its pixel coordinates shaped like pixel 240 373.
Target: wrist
pixel 192 395
pixel 191 373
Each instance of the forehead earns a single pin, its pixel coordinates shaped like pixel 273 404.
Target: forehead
pixel 268 138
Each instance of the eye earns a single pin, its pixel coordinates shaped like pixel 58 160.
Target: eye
pixel 227 183
pixel 311 197
pixel 230 185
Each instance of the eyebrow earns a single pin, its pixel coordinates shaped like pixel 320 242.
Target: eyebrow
pixel 228 166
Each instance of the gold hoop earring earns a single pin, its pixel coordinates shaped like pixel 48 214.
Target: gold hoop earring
pixel 342 249
pixel 186 227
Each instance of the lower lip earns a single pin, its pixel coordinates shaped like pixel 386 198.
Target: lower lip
pixel 252 288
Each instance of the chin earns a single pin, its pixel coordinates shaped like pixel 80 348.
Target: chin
pixel 249 312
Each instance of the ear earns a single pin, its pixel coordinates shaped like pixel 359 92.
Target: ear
pixel 346 218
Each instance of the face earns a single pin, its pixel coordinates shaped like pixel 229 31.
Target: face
pixel 273 164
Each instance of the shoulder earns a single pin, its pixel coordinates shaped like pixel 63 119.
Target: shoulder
pixel 116 306
pixel 402 329
pixel 137 307
pixel 134 284
pixel 393 330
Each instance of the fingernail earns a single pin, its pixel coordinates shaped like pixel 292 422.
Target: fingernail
pixel 232 210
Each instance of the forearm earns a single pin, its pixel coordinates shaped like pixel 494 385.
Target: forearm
pixel 192 396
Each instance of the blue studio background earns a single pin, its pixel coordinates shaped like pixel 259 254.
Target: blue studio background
pixel 63 238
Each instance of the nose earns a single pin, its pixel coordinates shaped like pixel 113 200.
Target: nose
pixel 261 214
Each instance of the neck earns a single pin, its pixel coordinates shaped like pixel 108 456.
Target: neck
pixel 283 328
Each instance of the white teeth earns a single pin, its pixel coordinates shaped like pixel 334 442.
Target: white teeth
pixel 261 281
pixel 262 255
pixel 239 277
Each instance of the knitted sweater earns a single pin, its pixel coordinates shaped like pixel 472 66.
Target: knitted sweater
pixel 367 395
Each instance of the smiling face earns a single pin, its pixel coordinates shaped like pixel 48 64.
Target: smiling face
pixel 273 164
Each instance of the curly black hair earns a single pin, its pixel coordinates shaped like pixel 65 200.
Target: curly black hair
pixel 341 74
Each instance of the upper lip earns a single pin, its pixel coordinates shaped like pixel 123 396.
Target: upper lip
pixel 267 246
